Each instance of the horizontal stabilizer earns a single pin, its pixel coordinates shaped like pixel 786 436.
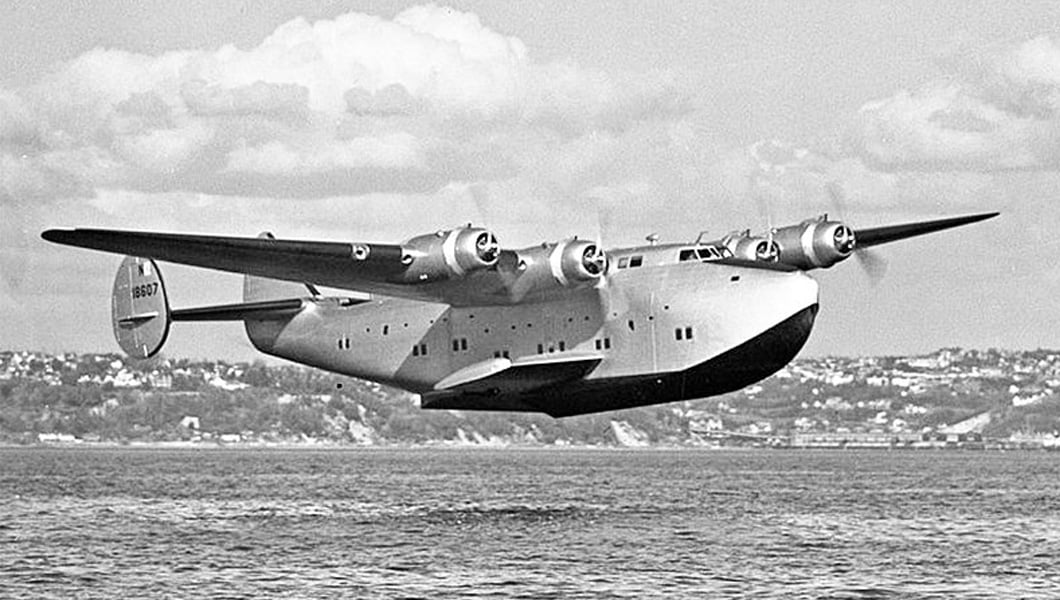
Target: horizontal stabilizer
pixel 134 320
pixel 243 311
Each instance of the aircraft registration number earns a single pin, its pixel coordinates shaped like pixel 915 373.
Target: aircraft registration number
pixel 145 290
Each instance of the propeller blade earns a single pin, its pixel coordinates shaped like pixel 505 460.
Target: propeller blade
pixel 838 197
pixel 875 236
pixel 874 265
pixel 480 194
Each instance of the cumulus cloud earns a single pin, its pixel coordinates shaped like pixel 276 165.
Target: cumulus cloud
pixel 997 111
pixel 396 151
pixel 355 100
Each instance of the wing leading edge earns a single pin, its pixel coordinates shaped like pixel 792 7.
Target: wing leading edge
pixel 875 236
pixel 360 267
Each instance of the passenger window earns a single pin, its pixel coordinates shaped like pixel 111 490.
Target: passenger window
pixel 687 254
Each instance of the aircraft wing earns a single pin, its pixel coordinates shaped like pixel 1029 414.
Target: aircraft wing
pixel 361 267
pixel 875 236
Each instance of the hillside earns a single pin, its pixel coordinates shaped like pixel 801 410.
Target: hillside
pixel 990 394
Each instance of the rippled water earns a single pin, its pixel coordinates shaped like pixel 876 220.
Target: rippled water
pixel 503 523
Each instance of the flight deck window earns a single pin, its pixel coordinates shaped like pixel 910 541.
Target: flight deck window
pixel 623 262
pixel 636 261
pixel 688 333
pixel 687 254
pixel 677 333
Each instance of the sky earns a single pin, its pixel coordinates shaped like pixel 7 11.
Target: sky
pixel 378 121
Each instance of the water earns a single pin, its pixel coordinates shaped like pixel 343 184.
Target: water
pixel 510 523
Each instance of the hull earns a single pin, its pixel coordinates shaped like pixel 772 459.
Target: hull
pixel 734 369
pixel 653 336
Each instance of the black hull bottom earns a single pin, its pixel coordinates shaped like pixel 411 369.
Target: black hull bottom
pixel 745 364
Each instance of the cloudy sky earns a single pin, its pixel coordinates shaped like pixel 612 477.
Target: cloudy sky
pixel 376 121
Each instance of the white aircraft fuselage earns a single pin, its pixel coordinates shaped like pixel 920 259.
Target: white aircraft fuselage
pixel 663 330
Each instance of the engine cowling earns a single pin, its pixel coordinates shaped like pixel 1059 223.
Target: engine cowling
pixel 577 261
pixel 449 254
pixel 748 247
pixel 814 244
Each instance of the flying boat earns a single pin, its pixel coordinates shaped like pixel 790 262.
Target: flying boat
pixel 563 328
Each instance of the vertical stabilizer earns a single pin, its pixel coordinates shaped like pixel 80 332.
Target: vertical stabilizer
pixel 257 289
pixel 139 308
pixel 264 333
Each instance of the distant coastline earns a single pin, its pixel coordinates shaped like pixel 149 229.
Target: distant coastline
pixel 949 399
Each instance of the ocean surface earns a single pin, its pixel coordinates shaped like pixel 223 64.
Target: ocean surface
pixel 527 523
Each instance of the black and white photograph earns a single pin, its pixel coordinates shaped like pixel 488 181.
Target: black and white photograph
pixel 481 299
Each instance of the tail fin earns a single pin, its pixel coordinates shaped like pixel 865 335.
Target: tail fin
pixel 264 333
pixel 257 289
pixel 139 307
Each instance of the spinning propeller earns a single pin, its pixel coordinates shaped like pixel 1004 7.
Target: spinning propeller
pixel 859 241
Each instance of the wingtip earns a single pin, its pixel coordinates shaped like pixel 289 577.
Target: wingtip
pixel 55 235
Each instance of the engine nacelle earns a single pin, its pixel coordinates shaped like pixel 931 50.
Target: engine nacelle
pixel 449 254
pixel 577 261
pixel 748 247
pixel 814 244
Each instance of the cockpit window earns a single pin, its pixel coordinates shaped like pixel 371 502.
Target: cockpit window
pixel 701 253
